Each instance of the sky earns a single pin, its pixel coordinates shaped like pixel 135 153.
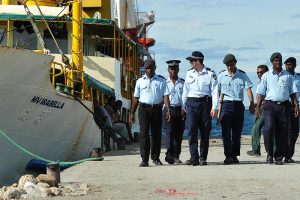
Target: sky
pixel 250 29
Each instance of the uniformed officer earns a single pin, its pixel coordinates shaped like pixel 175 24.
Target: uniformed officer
pixel 259 122
pixel 175 127
pixel 150 93
pixel 290 65
pixel 200 99
pixel 276 87
pixel 231 84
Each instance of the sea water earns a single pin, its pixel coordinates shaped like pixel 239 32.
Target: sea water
pixel 217 131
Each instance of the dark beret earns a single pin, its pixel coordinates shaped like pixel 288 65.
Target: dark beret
pixel 275 55
pixel 173 63
pixel 290 60
pixel 228 58
pixel 149 63
pixel 196 55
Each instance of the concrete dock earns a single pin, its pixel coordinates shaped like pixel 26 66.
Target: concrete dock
pixel 119 177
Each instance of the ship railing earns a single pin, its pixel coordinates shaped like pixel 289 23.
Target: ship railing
pixel 73 80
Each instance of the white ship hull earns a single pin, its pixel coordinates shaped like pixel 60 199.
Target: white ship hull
pixel 37 117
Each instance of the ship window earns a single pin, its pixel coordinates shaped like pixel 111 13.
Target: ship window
pixel 24 39
pixel 60 33
pixel 3 37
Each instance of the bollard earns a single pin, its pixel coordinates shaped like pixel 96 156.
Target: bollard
pixel 53 170
pixel 96 153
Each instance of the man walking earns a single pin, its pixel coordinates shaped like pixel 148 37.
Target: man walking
pixel 200 99
pixel 293 131
pixel 150 93
pixel 232 83
pixel 259 122
pixel 275 88
pixel 175 127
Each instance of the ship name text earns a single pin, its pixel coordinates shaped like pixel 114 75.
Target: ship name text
pixel 47 102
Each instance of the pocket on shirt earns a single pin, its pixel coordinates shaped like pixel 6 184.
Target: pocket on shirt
pixel 192 83
pixel 143 87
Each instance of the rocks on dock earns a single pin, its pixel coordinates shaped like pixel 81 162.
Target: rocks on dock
pixel 30 187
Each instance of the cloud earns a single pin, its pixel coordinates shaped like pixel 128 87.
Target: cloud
pixel 196 40
pixel 246 48
pixel 216 24
pixel 296 16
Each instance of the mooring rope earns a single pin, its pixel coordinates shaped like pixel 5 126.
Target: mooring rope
pixel 61 163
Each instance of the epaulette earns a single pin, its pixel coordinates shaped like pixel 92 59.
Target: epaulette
pixel 161 76
pixel 221 71
pixel 242 71
pixel 209 69
pixel 191 69
pixel 182 79
pixel 298 74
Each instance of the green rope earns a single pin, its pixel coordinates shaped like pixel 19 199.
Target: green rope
pixel 46 160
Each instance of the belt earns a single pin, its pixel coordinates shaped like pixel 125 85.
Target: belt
pixel 150 105
pixel 198 99
pixel 175 107
pixel 286 103
pixel 233 101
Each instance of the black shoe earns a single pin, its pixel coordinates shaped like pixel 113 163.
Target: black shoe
pixel 144 164
pixel 288 160
pixel 170 160
pixel 269 159
pixel 235 160
pixel 192 162
pixel 278 162
pixel 177 161
pixel 203 162
pixel 157 162
pixel 228 161
pixel 253 153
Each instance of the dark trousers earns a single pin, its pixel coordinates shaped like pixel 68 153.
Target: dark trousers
pixel 150 117
pixel 198 117
pixel 232 120
pixel 292 133
pixel 276 125
pixel 174 132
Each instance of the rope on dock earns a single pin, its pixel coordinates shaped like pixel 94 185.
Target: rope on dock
pixel 61 163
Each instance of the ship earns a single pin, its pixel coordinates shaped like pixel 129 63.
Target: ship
pixel 57 58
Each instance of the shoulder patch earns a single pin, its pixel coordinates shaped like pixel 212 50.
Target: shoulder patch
pixel 209 69
pixel 161 77
pixel 222 71
pixel 242 71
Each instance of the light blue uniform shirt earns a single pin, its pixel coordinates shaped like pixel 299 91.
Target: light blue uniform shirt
pixel 233 86
pixel 200 84
pixel 176 90
pixel 277 87
pixel 151 91
pixel 297 84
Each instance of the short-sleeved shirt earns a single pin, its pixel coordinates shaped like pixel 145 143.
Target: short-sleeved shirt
pixel 277 87
pixel 200 84
pixel 176 90
pixel 297 84
pixel 151 91
pixel 233 85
